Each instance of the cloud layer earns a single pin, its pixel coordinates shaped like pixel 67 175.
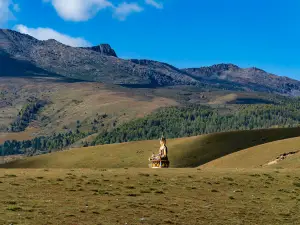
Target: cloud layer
pixel 83 10
pixel 6 10
pixel 48 33
pixel 124 9
pixel 79 10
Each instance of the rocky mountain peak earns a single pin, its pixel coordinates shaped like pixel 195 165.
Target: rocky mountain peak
pixel 255 69
pixel 103 49
pixel 51 40
pixel 224 67
pixel 214 69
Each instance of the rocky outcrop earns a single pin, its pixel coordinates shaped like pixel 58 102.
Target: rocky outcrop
pixel 103 49
pixel 212 70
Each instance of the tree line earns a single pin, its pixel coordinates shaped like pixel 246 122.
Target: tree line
pixel 40 145
pixel 196 120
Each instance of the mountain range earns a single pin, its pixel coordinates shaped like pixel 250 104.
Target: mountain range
pixel 22 55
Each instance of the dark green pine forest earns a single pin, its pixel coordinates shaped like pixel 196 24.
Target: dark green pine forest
pixel 195 120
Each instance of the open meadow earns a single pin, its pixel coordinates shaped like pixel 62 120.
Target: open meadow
pixel 149 196
pixel 110 184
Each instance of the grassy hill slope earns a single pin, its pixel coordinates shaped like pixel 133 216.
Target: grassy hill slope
pixel 292 162
pixel 71 102
pixel 183 152
pixel 261 155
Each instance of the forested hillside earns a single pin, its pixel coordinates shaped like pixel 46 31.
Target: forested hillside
pixel 195 120
pixel 173 122
pixel 40 145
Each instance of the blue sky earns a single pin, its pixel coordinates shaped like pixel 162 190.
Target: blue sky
pixel 190 33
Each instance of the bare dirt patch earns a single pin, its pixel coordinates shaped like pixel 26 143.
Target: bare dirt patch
pixel 281 157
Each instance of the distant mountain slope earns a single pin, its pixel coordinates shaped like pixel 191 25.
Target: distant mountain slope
pixel 249 78
pixel 91 64
pixel 23 55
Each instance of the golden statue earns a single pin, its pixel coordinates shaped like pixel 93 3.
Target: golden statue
pixel 161 159
pixel 163 150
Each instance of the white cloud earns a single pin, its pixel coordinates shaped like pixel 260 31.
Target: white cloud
pixel 124 9
pixel 154 3
pixel 79 10
pixel 6 13
pixel 83 10
pixel 48 33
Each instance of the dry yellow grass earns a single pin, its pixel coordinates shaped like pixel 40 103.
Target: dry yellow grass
pixel 148 196
pixel 292 161
pixel 224 99
pixel 28 134
pixel 11 158
pixel 71 102
pixel 261 155
pixel 83 101
pixel 183 152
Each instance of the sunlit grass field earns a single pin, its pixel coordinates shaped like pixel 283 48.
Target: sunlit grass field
pixel 261 155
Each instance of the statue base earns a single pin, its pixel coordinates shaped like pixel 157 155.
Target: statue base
pixel 159 163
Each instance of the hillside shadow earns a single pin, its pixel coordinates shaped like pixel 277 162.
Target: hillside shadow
pixel 249 101
pixel 15 68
